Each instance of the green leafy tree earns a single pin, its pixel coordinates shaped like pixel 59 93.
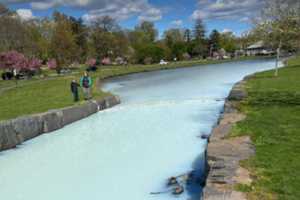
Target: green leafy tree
pixel 199 30
pixel 149 53
pixel 13 35
pixel 172 36
pixel 148 29
pixel 107 39
pixel 228 42
pixel 121 46
pixel 174 40
pixel 63 41
pixel 137 37
pixel 187 36
pixel 143 37
pixel 199 45
pixel 80 32
pixel 214 41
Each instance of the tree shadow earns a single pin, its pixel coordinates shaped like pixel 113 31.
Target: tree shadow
pixel 197 178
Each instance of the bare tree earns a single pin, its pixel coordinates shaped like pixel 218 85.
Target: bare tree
pixel 106 23
pixel 279 25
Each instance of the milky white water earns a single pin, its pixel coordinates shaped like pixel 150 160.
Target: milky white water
pixel 130 150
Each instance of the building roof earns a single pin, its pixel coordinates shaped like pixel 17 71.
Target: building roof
pixel 257 45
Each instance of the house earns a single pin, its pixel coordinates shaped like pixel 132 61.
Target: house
pixel 258 48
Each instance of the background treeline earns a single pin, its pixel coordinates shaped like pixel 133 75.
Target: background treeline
pixel 70 40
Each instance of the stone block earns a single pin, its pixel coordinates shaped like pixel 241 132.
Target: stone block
pixel 52 120
pixel 8 136
pixel 237 94
pixel 76 113
pixel 27 127
pixel 111 101
pixel 101 104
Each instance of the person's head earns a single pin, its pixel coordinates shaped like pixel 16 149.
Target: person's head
pixel 85 73
pixel 73 81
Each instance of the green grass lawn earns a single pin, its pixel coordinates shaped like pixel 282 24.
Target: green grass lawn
pixel 273 122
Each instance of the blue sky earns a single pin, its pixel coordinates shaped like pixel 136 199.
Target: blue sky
pixel 223 15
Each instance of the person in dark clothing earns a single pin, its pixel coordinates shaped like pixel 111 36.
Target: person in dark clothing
pixel 74 90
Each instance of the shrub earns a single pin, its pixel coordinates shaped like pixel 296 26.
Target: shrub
pixel 91 62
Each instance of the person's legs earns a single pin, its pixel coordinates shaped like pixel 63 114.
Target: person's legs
pixel 85 93
pixel 76 97
pixel 89 96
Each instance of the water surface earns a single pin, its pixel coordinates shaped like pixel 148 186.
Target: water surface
pixel 130 150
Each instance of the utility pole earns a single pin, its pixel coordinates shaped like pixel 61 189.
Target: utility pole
pixel 211 50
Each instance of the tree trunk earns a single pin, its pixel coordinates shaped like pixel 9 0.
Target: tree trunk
pixel 278 57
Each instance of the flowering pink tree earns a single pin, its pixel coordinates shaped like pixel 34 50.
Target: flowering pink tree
pixel 34 64
pixel 19 65
pixel 106 61
pixel 13 60
pixel 91 62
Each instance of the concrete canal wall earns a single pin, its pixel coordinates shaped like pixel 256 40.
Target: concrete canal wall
pixel 16 131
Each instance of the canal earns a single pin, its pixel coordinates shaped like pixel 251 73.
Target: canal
pixel 129 151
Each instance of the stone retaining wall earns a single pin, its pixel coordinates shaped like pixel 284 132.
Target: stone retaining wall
pixel 16 131
pixel 224 154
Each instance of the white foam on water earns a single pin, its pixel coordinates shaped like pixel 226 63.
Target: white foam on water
pixel 130 150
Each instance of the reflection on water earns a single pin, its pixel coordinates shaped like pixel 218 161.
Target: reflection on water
pixel 131 150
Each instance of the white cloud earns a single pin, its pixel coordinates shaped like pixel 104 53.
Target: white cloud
pixel 25 14
pixel 177 22
pixel 152 14
pixel 227 9
pixel 198 14
pixel 114 11
pixel 145 12
pixel 245 19
pixel 227 30
pixel 117 9
pixel 42 5
pixel 46 4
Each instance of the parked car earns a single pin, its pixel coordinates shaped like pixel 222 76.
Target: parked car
pixel 7 75
pixel 25 74
pixel 65 71
pixel 162 62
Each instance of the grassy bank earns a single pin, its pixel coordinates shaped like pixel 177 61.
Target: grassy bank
pixel 273 122
pixel 52 92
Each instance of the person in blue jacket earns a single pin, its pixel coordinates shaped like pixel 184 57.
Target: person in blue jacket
pixel 86 84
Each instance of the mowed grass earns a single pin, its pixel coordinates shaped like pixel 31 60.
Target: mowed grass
pixel 273 122
pixel 39 97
